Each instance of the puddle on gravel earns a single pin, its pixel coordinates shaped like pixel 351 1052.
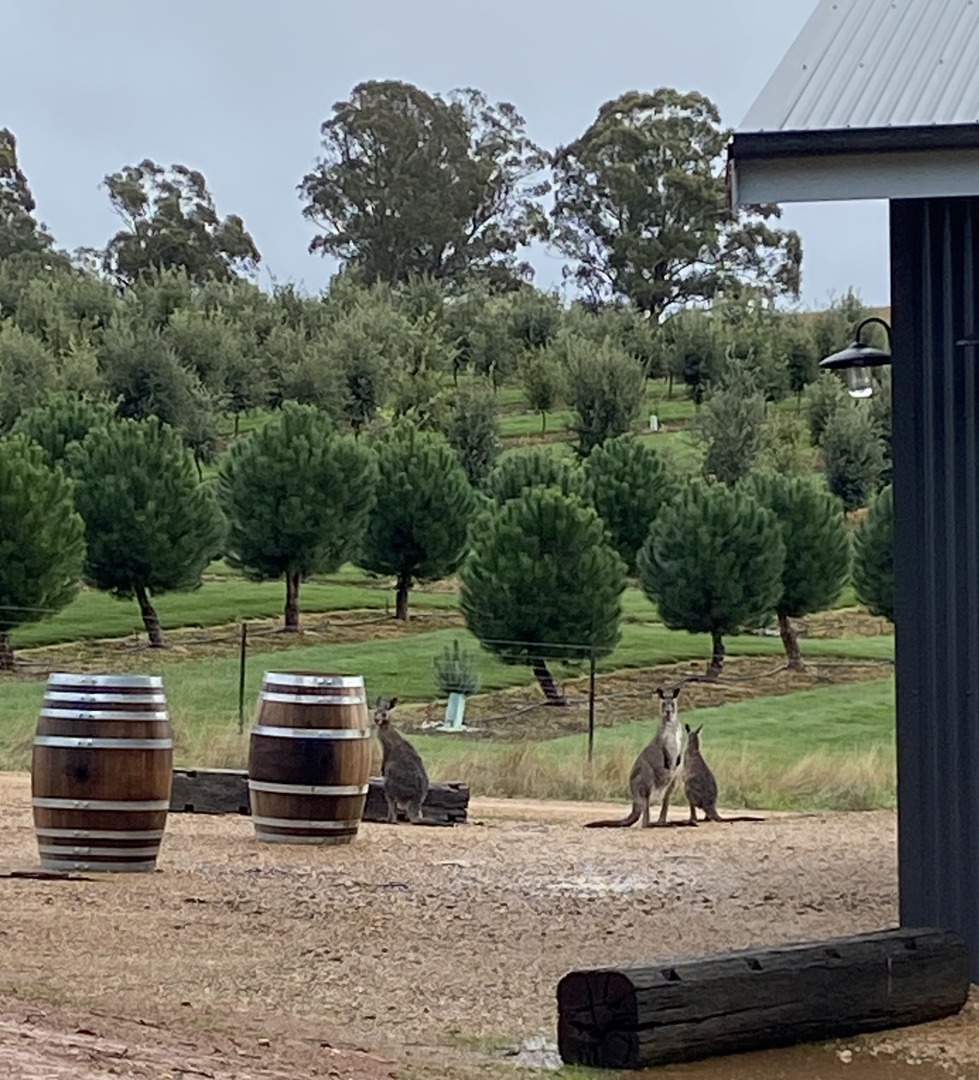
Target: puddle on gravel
pixel 821 1062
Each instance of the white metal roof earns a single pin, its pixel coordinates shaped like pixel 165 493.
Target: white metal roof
pixel 876 64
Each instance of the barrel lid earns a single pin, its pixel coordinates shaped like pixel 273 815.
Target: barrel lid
pixel 64 678
pixel 312 678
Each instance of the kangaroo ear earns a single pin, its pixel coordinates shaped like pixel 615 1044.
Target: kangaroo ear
pixel 699 730
pixel 676 691
pixel 687 726
pixel 659 691
pixel 392 703
pixel 377 702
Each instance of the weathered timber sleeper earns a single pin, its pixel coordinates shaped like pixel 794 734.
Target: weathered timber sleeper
pixel 681 1010
pixel 225 791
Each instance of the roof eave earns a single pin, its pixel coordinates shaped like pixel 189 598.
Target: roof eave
pixel 773 144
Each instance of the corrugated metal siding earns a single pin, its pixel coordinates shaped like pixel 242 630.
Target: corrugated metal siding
pixel 876 64
pixel 935 297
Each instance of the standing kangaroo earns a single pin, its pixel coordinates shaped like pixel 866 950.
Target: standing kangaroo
pixel 655 771
pixel 405 778
pixel 699 783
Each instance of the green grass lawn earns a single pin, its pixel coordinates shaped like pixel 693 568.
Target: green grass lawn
pixel 97 615
pixel 203 693
pixel 825 749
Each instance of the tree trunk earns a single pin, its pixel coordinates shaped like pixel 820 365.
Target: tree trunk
pixel 150 618
pixel 717 656
pixel 546 679
pixel 401 601
pixel 543 422
pixel 790 643
pixel 669 386
pixel 291 621
pixel 6 652
pixel 237 419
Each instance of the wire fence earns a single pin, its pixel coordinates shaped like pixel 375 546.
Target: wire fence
pixel 566 675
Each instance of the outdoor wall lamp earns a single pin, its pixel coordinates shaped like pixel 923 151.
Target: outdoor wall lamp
pixel 856 360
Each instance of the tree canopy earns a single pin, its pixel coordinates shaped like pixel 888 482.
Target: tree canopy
pixel 713 562
pixel 419 528
pixel 42 540
pixel 169 220
pixel 298 497
pixel 542 582
pixel 411 183
pixel 151 527
pixel 20 231
pixel 641 208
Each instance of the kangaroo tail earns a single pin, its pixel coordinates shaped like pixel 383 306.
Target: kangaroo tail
pixel 622 823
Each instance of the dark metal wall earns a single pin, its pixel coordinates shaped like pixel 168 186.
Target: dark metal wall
pixel 935 304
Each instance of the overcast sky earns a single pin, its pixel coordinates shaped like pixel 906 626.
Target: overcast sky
pixel 238 89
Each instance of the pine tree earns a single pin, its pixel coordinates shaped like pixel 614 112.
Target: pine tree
pixel 517 472
pixel 297 496
pixel 713 563
pixel 42 540
pixel 418 529
pixel 873 556
pixel 542 582
pixel 60 420
pixel 853 455
pixel 817 548
pixel 732 425
pixel 151 526
pixel 629 482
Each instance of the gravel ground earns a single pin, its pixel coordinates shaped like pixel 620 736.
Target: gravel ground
pixel 413 944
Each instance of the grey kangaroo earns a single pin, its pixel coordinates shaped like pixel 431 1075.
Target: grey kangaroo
pixel 405 778
pixel 655 771
pixel 699 783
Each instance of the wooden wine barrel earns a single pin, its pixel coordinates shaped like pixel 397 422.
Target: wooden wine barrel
pixel 101 772
pixel 309 758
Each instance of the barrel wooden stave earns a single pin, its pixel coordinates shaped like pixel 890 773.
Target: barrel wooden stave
pixel 309 758
pixel 100 798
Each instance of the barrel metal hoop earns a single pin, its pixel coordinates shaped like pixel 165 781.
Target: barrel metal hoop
pixel 297 823
pixel 101 714
pixel 101 834
pixel 308 789
pixel 45 803
pixel 62 678
pixel 313 699
pixel 83 743
pixel 51 863
pixel 311 733
pixel 112 699
pixel 282 678
pixel 82 850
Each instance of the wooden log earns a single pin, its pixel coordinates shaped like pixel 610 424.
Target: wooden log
pixel 670 1011
pixel 225 791
pixel 209 791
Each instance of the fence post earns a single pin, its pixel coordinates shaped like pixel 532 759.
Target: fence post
pixel 591 706
pixel 242 656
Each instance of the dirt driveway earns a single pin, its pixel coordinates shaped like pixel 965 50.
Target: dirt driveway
pixel 412 949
